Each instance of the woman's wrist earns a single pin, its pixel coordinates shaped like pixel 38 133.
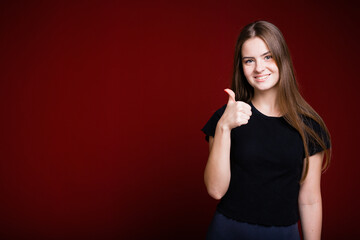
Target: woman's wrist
pixel 223 128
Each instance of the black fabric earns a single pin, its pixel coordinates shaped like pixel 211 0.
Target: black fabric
pixel 266 159
pixel 224 228
pixel 313 146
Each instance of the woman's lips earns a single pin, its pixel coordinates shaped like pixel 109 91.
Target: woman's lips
pixel 262 78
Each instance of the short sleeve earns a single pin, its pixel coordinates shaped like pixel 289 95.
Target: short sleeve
pixel 210 126
pixel 313 146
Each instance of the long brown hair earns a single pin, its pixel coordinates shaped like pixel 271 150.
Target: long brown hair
pixel 292 105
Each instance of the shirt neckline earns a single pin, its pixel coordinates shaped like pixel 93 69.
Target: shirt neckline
pixel 263 115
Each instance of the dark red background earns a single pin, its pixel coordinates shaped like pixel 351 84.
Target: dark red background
pixel 102 104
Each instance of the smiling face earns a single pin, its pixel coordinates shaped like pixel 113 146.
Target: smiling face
pixel 259 67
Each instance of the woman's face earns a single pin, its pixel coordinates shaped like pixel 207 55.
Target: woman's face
pixel 259 66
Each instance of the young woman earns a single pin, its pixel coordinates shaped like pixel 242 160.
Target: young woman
pixel 267 147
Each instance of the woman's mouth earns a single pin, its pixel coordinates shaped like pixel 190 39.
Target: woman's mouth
pixel 261 78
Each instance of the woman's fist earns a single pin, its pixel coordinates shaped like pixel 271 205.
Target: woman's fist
pixel 237 113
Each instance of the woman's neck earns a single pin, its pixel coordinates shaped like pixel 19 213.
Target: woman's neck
pixel 266 103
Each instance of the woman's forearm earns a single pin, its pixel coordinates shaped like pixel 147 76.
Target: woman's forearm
pixel 311 220
pixel 217 170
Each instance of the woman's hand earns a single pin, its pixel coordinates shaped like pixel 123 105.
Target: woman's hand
pixel 217 171
pixel 237 113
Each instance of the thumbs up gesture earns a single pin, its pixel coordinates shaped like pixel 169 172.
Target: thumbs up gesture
pixel 237 113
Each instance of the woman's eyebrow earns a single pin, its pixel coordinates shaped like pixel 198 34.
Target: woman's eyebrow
pixel 260 55
pixel 265 53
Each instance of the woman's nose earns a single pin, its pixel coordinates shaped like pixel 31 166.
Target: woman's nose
pixel 259 66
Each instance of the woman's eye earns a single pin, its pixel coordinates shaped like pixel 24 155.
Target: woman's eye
pixel 268 57
pixel 249 61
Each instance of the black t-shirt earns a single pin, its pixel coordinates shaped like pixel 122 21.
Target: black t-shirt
pixel 266 159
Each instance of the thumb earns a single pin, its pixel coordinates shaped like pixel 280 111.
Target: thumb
pixel 231 95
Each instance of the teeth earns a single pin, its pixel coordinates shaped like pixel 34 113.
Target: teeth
pixel 263 77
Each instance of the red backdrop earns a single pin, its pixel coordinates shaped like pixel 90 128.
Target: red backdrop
pixel 102 104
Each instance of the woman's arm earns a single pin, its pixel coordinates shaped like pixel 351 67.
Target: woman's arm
pixel 310 204
pixel 217 170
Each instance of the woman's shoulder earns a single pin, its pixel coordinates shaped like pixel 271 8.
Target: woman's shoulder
pixel 319 128
pixel 218 112
pixel 221 110
pixel 312 123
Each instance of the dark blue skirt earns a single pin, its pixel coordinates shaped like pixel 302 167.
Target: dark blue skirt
pixel 223 227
